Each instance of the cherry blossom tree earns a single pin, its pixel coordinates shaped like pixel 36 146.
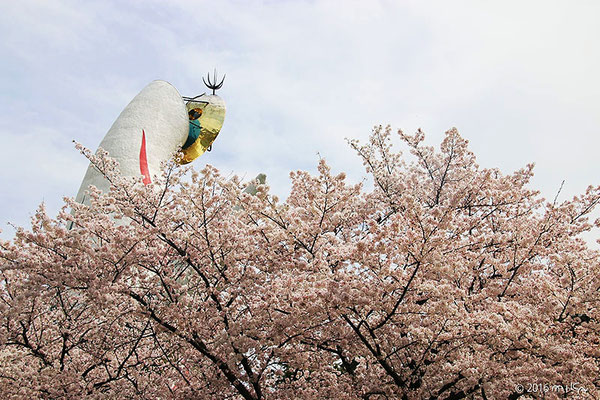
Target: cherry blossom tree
pixel 445 281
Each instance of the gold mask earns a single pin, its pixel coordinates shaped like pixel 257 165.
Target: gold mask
pixel 206 113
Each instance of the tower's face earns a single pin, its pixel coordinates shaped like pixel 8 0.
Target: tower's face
pixel 207 114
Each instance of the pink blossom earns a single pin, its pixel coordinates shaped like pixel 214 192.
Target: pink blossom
pixel 447 280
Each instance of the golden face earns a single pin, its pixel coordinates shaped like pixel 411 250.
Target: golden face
pixel 209 112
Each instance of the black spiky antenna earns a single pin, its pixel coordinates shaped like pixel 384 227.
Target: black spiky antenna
pixel 214 85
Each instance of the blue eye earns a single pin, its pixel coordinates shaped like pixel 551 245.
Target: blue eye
pixel 195 113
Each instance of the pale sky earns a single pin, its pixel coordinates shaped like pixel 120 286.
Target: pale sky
pixel 519 79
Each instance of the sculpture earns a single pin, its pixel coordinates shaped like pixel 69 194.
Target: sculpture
pixel 154 126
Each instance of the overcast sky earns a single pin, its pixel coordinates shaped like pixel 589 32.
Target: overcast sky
pixel 519 79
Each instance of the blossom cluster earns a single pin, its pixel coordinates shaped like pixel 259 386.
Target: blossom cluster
pixel 445 281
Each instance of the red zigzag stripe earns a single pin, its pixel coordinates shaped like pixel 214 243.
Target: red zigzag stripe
pixel 144 160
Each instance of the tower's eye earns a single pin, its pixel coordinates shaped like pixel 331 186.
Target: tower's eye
pixel 195 113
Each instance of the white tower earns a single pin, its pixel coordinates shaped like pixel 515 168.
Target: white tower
pixel 152 127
